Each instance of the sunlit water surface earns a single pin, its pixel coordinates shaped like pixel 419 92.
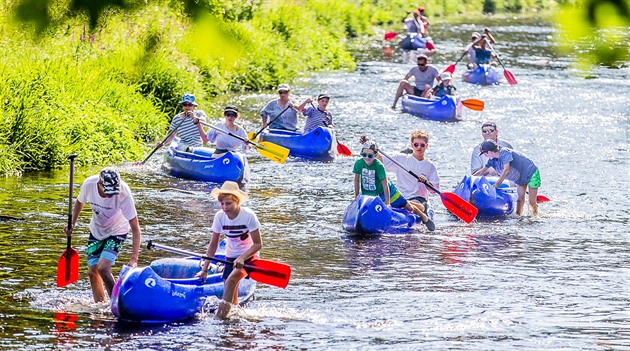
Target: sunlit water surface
pixel 559 281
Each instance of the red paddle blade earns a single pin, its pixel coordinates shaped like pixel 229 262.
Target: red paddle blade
pixel 509 77
pixel 542 198
pixel 459 207
pixel 343 150
pixel 68 268
pixel 474 104
pixel 269 272
pixel 450 69
pixel 430 45
pixel 390 36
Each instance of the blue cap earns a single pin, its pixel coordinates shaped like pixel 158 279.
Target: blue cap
pixel 188 98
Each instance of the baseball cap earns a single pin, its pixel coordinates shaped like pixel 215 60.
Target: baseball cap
pixel 110 179
pixel 488 145
pixel 283 87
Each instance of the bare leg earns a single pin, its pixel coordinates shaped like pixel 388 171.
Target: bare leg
pixel 97 284
pixel 404 86
pixel 425 91
pixel 104 268
pixel 533 194
pixel 413 207
pixel 521 199
pixel 230 292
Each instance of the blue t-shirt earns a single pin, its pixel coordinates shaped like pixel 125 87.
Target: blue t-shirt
pixel 482 55
pixel 521 168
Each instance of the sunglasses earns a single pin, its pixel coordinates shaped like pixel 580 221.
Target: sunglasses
pixel 187 104
pixel 419 144
pixel 230 115
pixel 365 154
pixel 487 130
pixel 422 64
pixel 283 92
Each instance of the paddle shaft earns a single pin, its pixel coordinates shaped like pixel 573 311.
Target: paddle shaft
pixel 228 133
pixel 150 244
pixel 341 148
pixel 163 141
pixel 410 172
pixel 495 53
pixel 464 54
pixel 273 120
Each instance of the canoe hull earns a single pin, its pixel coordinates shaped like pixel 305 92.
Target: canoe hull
pixel 200 165
pixel 484 75
pixel 314 145
pixel 447 108
pixel 491 202
pixel 369 215
pixel 144 294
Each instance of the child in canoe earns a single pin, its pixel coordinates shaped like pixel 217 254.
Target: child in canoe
pixel 370 179
pixel 242 230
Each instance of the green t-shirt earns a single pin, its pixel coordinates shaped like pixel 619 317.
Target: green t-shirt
pixel 371 182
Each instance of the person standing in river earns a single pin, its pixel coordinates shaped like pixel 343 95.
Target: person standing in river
pixel 516 167
pixel 113 215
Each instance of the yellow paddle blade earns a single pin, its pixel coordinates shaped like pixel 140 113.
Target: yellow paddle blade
pixel 272 151
pixel 251 136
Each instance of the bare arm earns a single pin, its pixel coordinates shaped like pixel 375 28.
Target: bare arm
pixel 506 170
pixel 137 236
pixel 239 262
pixel 76 211
pixel 357 178
pixel 302 106
pixel 386 191
pixel 210 251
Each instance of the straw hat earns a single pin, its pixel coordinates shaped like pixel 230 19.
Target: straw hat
pixel 229 187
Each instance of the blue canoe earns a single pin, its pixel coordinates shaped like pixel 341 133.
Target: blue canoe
pixel 199 165
pixel 491 202
pixel 447 108
pixel 413 41
pixel 166 291
pixel 485 74
pixel 314 145
pixel 369 215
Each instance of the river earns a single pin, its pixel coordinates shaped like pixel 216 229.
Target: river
pixel 559 281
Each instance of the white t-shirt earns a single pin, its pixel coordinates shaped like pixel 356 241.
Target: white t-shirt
pixel 406 183
pixel 423 78
pixel 110 215
pixel 225 141
pixel 235 229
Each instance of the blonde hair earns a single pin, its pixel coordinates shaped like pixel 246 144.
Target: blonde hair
pixel 226 195
pixel 419 134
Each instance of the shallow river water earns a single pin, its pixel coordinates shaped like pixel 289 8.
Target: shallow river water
pixel 559 281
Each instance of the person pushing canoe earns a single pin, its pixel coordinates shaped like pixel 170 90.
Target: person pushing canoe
pixel 241 227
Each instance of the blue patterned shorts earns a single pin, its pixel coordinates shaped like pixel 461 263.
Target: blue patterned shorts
pixel 107 248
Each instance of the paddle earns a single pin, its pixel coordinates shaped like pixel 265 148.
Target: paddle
pixel 252 136
pixel 508 75
pixel 451 68
pixel 341 148
pixel 271 151
pixel 158 146
pixel 263 271
pixel 455 204
pixel 390 36
pixel 68 264
pixel 474 104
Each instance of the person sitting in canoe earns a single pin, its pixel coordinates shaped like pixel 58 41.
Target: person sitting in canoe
pixel 317 116
pixel 516 167
pixel 417 24
pixel 444 87
pixel 241 228
pixel 424 75
pixel 479 53
pixel 414 189
pixel 183 124
pixel 370 179
pixel 489 131
pixel 280 113
pixel 223 141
